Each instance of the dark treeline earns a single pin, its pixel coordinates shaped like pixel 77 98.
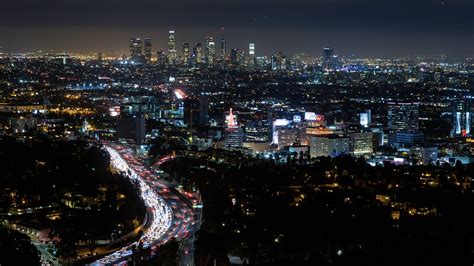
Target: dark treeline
pixel 326 213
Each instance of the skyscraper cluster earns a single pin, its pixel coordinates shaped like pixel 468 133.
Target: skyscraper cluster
pixel 141 52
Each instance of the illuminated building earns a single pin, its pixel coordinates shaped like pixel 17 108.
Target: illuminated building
pixel 402 117
pixel 186 53
pixel 172 53
pixel 147 44
pixel 461 119
pixel 198 53
pixel 251 62
pixel 407 139
pixel 365 118
pixel 210 50
pixel 136 46
pixel 287 137
pixel 234 135
pixel 160 57
pixel 426 155
pixel 329 145
pixel 362 144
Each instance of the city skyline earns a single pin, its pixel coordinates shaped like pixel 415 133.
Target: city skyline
pixel 364 28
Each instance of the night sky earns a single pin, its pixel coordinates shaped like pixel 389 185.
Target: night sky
pixel 360 27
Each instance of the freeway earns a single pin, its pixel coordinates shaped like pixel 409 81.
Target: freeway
pixel 169 214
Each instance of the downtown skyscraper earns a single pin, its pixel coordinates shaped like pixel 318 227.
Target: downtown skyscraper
pixel 210 50
pixel 147 44
pixel 172 52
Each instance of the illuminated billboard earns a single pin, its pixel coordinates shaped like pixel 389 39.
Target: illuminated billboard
pixel 297 118
pixel 313 117
pixel 114 111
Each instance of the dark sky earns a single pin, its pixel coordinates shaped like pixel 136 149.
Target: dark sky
pixel 360 27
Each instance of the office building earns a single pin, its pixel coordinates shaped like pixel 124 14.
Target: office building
pixel 462 120
pixel 362 144
pixel 196 111
pixel 329 145
pixel 328 54
pixel 407 139
pixel 223 49
pixel 251 61
pixel 365 118
pixel 210 50
pixel 186 53
pixel 287 137
pixel 234 135
pixel 402 116
pixel 197 53
pixel 131 128
pixel 136 48
pixel 172 52
pixel 147 44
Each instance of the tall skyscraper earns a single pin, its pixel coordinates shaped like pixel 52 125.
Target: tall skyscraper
pixel 136 46
pixel 223 48
pixel 402 117
pixel 462 120
pixel 160 57
pixel 147 43
pixel 186 54
pixel 251 62
pixel 234 135
pixel 172 53
pixel 328 58
pixel 198 53
pixel 210 50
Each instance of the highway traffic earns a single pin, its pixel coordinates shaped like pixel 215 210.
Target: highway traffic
pixel 169 214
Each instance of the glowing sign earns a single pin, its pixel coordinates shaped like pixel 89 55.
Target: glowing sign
pixel 310 116
pixel 114 111
pixel 281 122
pixel 179 94
pixel 297 118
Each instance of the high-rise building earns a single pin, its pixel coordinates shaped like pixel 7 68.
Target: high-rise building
pixel 328 58
pixel 251 62
pixel 136 47
pixel 196 111
pixel 147 44
pixel 198 53
pixel 329 145
pixel 223 49
pixel 402 116
pixel 462 120
pixel 172 53
pixel 191 112
pixel 234 135
pixel 210 50
pixel 161 57
pixel 186 53
pixel 362 144
pixel 365 118
pixel 131 128
pixel 287 137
